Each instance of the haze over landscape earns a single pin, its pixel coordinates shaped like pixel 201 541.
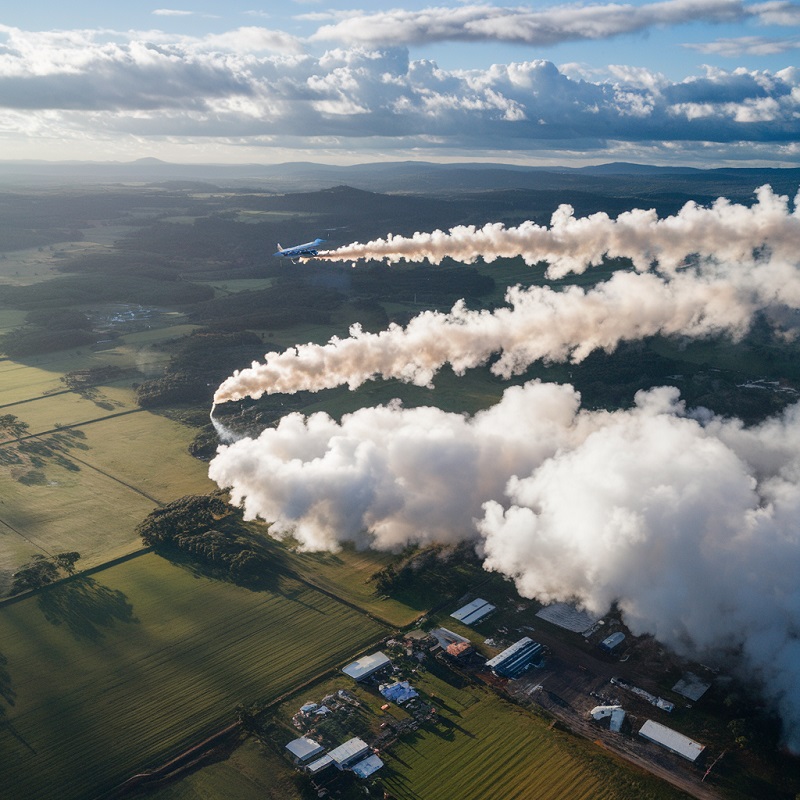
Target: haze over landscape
pixel 547 352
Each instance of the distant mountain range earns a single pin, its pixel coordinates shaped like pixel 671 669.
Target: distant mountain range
pixel 417 177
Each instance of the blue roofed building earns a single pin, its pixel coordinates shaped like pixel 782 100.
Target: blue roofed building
pixel 514 660
pixel 399 692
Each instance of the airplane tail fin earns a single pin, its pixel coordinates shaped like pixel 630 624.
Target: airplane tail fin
pixel 280 246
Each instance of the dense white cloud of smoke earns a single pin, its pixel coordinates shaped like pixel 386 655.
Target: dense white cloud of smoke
pixel 689 523
pixel 746 262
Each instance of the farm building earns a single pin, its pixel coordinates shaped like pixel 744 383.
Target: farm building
pixel 616 713
pixel 568 617
pixel 611 643
pixel 315 767
pixel 366 666
pixel 399 692
pixel 349 753
pixel 460 649
pixel 304 749
pixel 446 637
pixel 691 687
pixel 473 612
pixel 672 740
pixel 369 766
pixel 514 660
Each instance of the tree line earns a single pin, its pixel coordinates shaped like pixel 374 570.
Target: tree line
pixel 204 527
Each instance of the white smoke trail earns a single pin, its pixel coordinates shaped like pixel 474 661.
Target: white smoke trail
pixel 725 231
pixel 225 434
pixel 688 523
pixel 746 261
pixel 541 324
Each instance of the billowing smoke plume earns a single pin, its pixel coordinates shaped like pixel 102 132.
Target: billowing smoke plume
pixel 688 522
pixel 745 261
pixel 725 231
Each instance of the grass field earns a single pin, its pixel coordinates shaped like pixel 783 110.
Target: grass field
pixel 71 509
pixel 482 746
pixel 252 772
pixel 87 490
pixel 45 413
pixel 485 747
pixel 347 575
pixel 111 674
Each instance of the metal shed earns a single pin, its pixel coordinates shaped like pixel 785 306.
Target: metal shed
pixel 368 766
pixel 304 748
pixel 473 612
pixel 366 666
pixel 672 740
pixel 347 754
pixel 514 660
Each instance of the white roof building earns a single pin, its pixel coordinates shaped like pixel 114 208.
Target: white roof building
pixel 567 616
pixel 672 740
pixel 446 637
pixel 368 766
pixel 617 714
pixel 304 748
pixel 364 667
pixel 691 687
pixel 473 612
pixel 347 754
pixel 320 764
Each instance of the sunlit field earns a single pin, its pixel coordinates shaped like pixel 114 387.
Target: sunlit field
pixel 114 672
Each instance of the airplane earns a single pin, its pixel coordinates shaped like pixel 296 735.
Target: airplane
pixel 301 251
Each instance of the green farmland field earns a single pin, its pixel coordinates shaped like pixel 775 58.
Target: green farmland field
pixel 347 574
pixel 251 772
pixel 112 673
pixel 483 746
pixel 87 489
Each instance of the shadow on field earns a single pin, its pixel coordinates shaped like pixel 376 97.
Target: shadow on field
pixel 85 607
pixel 7 692
pixel 271 580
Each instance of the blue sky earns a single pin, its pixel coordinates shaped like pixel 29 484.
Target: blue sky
pixel 698 82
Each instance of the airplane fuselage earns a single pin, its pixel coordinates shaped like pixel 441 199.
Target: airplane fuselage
pixel 307 250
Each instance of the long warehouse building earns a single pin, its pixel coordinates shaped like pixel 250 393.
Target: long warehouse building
pixel 672 740
pixel 514 660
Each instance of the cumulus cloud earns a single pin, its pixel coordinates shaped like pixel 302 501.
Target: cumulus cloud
pixel 743 259
pixel 255 83
pixel 688 523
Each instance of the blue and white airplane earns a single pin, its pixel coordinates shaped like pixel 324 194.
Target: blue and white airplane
pixel 307 250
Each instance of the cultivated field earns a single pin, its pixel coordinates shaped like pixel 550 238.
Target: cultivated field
pixel 70 509
pixel 481 746
pixel 347 574
pixel 252 772
pixel 485 747
pixel 112 673
pixel 88 485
